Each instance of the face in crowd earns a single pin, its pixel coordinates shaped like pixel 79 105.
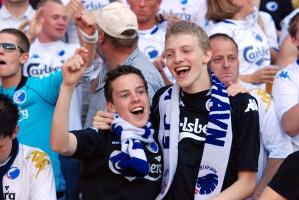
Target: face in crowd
pixel 131 100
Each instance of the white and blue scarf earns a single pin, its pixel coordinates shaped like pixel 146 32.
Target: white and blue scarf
pixel 131 160
pixel 217 143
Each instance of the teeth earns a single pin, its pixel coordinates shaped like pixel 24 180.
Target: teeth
pixel 137 109
pixel 182 68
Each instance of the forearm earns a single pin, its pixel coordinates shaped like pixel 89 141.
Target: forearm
pixel 61 140
pixel 241 189
pixel 271 168
pixel 290 121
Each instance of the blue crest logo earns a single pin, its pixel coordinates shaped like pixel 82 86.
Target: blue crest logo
pixel 184 2
pixel 61 53
pixel 284 75
pixel 19 96
pixel 206 184
pixel 151 52
pixel 35 56
pixel 258 37
pixel 13 173
pixel 272 6
pixel 153 147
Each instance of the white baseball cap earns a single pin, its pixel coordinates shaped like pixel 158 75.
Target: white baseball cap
pixel 116 18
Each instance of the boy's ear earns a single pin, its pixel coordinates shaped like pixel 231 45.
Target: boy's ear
pixel 207 56
pixel 24 58
pixel 15 132
pixel 110 107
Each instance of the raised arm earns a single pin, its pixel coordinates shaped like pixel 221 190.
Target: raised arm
pixel 61 140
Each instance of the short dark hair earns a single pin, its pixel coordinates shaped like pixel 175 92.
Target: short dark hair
pixel 293 26
pixel 117 72
pixel 224 37
pixel 23 41
pixel 9 115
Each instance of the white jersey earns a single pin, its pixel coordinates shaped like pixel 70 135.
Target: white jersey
pixel 270 29
pixel 286 93
pixel 30 176
pixel 254 51
pixel 190 10
pixel 44 58
pixel 9 21
pixel 284 24
pixel 274 142
pixel 151 42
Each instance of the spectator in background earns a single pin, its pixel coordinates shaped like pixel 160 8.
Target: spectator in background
pixel 286 91
pixel 118 33
pixel 277 9
pixel 13 13
pixel 26 172
pixel 275 144
pixel 254 52
pixel 194 11
pixel 288 52
pixel 151 35
pixel 47 54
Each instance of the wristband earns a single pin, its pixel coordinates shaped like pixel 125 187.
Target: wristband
pixel 92 39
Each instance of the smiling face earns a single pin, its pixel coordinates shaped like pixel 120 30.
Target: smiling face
pixel 11 61
pixel 130 99
pixel 187 61
pixel 224 62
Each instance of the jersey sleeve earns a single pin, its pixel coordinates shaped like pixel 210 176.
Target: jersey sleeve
pixel 47 87
pixel 276 143
pixel 286 180
pixel 285 93
pixel 246 132
pixel 89 142
pixel 41 176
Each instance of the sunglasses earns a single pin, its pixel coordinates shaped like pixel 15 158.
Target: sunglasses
pixel 11 47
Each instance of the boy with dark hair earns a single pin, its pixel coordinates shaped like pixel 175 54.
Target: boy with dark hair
pixel 124 163
pixel 25 172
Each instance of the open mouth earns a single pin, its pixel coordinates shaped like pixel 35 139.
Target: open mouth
pixel 137 110
pixel 180 71
pixel 2 62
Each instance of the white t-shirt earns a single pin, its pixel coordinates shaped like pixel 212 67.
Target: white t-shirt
pixel 9 21
pixel 286 93
pixel 45 58
pixel 270 29
pixel 151 42
pixel 30 176
pixel 190 10
pixel 254 50
pixel 284 24
pixel 274 142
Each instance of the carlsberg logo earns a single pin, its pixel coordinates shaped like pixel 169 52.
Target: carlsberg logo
pixel 256 55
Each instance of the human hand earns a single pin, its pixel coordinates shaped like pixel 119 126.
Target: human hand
pixel 73 7
pixel 234 88
pixel 86 22
pixel 74 67
pixel 264 75
pixel 103 120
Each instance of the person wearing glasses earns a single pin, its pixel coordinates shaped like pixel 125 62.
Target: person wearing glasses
pixel 35 97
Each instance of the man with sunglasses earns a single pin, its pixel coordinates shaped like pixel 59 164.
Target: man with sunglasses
pixel 35 97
